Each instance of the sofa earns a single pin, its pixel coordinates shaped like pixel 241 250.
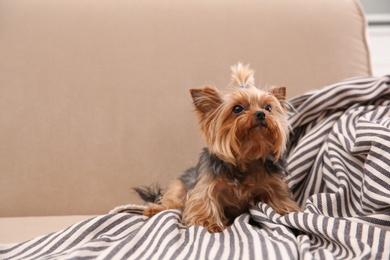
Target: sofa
pixel 94 94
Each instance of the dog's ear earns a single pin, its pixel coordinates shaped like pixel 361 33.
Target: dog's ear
pixel 279 93
pixel 206 99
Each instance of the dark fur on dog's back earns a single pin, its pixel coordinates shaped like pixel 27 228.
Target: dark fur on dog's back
pixel 153 193
pixel 219 166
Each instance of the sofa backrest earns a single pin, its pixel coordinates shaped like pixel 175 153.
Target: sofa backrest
pixel 94 94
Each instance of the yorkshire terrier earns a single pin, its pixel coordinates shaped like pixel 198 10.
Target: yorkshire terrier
pixel 246 130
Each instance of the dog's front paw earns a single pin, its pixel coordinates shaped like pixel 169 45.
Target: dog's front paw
pixel 293 207
pixel 208 224
pixel 287 208
pixel 214 228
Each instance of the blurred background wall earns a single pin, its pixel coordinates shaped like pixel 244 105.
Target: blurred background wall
pixel 378 17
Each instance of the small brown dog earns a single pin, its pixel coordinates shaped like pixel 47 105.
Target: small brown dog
pixel 246 130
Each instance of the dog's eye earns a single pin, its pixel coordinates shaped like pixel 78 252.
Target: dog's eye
pixel 237 109
pixel 268 108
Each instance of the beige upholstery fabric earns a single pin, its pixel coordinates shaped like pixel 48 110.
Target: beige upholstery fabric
pixel 94 94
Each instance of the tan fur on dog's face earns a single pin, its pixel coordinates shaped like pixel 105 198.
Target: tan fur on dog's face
pixel 243 125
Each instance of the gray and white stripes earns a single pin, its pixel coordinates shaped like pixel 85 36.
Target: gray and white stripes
pixel 342 156
pixel 339 163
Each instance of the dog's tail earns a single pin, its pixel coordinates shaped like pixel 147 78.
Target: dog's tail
pixel 150 194
pixel 242 76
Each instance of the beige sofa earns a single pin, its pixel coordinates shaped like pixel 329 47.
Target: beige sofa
pixel 94 94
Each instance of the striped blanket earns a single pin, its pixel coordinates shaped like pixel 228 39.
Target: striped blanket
pixel 339 162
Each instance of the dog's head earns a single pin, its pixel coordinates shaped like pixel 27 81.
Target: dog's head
pixel 243 124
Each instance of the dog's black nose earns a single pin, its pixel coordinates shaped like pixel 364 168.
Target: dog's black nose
pixel 260 115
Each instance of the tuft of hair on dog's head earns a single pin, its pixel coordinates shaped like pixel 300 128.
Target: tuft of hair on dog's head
pixel 242 76
pixel 245 123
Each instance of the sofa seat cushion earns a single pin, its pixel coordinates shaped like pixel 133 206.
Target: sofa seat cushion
pixel 19 229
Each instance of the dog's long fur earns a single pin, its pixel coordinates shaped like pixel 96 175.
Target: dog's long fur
pixel 246 131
